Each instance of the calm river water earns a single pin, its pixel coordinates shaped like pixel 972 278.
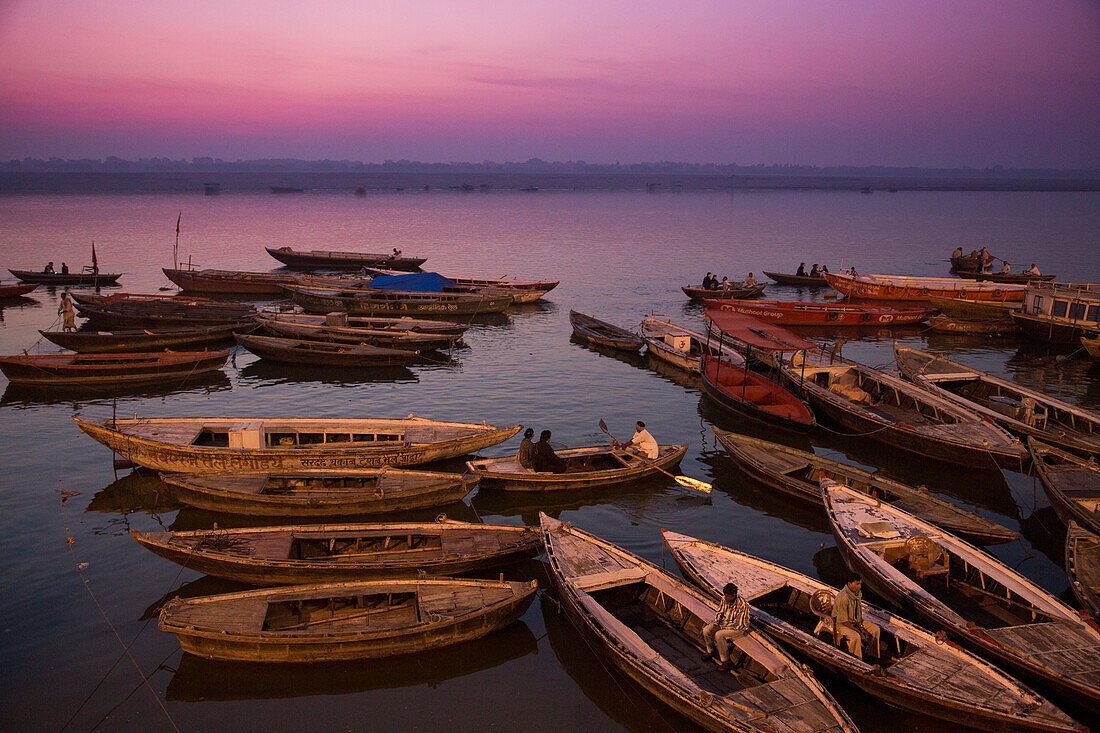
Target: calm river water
pixel 79 598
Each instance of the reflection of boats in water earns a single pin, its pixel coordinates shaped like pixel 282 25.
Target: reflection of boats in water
pixel 25 395
pixel 266 371
pixel 191 518
pixel 141 490
pixel 198 680
pixel 633 358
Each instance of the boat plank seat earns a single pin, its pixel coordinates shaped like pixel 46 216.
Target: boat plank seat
pixel 181 434
pixel 731 378
pixel 584 559
pixel 1059 645
pixel 757 395
pixel 456 541
pixel 610 579
pixel 273 545
pixel 926 558
pixel 787 707
pixel 242 616
pixel 928 666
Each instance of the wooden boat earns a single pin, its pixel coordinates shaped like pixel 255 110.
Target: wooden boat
pixel 919 289
pixel 681 347
pixel 1021 410
pixel 329 260
pixel 127 310
pixel 321 353
pixel 392 338
pixel 337 553
pixel 732 293
pixel 231 281
pixel 226 445
pixel 1018 278
pixel 1092 346
pixel 901 414
pixel 1060 313
pixel 1083 567
pixel 796 473
pixel 14 290
pixel 69 278
pixel 967 592
pixel 395 302
pixel 319 492
pixel 966 263
pixel 945 324
pixel 602 333
pixel 649 624
pixel 913 668
pixel 107 342
pixel 599 465
pixel 1071 483
pixel 791 313
pixel 339 621
pixel 522 291
pixel 972 310
pixel 802 280
pixel 376 323
pixel 747 393
pixel 286 189
pixel 94 369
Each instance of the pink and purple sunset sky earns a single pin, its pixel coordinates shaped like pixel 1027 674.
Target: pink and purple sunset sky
pixel 815 82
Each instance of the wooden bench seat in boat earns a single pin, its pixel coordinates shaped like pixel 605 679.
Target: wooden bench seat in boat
pixel 731 378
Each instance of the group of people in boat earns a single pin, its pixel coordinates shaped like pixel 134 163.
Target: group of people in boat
pixel 815 271
pixel 541 458
pixel 987 260
pixel 711 282
pixel 48 269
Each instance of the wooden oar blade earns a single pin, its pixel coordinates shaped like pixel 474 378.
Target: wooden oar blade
pixel 692 483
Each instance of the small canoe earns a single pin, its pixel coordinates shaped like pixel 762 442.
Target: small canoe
pixel 319 493
pixel 322 353
pixel 1002 277
pixel 751 395
pixel 919 289
pixel 102 369
pixel 1018 409
pixel 682 347
pixel 14 290
pixel 901 414
pixel 945 324
pixel 340 621
pixel 390 338
pixel 602 333
pixel 796 473
pixel 803 280
pixel 329 260
pixel 68 278
pixel 1071 483
pixel 1083 567
pixel 649 624
pixel 967 592
pixel 1092 346
pixel 599 465
pixel 107 342
pixel 972 310
pixel 913 668
pixel 229 445
pixel 734 292
pixel 791 313
pixel 372 301
pixel 338 553
pixel 237 282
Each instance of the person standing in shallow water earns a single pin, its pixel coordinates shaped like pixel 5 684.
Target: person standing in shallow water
pixel 526 449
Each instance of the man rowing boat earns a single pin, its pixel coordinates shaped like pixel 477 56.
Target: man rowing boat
pixel 642 443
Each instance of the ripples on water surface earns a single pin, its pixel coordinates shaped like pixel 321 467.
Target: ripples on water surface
pixel 619 256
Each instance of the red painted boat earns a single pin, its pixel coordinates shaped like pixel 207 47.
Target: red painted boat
pixel 747 393
pixel 904 287
pixel 14 290
pixel 791 313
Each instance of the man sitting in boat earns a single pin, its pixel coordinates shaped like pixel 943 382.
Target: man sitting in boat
pixel 708 282
pixel 1006 268
pixel 801 271
pixel 544 459
pixel 64 269
pixel 848 618
pixel 642 443
pixel 824 269
pixel 749 281
pixel 48 269
pixel 957 253
pixel 1033 270
pixel 725 284
pixel 526 449
pixel 730 623
pixel 814 271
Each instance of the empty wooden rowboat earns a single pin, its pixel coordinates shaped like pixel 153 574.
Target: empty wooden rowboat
pixel 14 290
pixel 388 338
pixel 227 445
pixel 967 592
pixel 371 323
pixel 796 473
pixel 584 467
pixel 323 353
pixel 1083 567
pixel 333 553
pixel 912 668
pixel 1071 483
pixel 318 493
pixel 331 260
pixel 682 347
pixel 341 621
pixel 649 624
pixel 159 339
pixel 102 369
pixel 602 333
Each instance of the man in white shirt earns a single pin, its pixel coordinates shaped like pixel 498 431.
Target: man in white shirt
pixel 642 442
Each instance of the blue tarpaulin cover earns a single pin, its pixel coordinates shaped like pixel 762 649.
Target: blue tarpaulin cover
pixel 419 282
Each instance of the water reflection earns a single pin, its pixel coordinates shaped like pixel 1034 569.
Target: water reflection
pixel 191 518
pixel 633 358
pixel 141 490
pixel 270 372
pixel 77 396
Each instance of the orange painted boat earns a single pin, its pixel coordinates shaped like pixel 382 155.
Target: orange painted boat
pixel 792 313
pixel 919 289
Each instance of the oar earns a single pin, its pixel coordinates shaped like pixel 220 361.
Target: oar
pixel 687 481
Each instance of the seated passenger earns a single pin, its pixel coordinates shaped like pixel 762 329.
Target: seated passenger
pixel 544 459
pixel 526 449
pixel 749 282
pixel 848 623
pixel 1006 268
pixel 801 271
pixel 1033 270
pixel 814 271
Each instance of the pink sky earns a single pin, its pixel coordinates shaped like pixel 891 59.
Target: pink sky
pixel 821 82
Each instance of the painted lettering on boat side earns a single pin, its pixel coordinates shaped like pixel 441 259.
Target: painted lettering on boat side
pixel 260 462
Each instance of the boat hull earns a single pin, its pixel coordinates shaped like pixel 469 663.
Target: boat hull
pixel 601 333
pixel 398 304
pixel 822 314
pixel 732 293
pixel 102 342
pixel 920 289
pixel 944 324
pixel 801 280
pixel 1058 331
pixel 314 353
pixel 668 458
pixel 236 283
pixel 789 413
pixel 72 278
pixel 104 369
pixel 299 260
pixel 14 290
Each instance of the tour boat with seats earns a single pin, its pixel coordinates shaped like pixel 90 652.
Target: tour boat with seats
pixel 1060 313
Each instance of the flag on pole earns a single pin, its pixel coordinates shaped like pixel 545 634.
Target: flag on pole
pixel 95 263
pixel 178 223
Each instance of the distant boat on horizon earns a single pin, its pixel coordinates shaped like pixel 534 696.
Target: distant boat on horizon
pixel 286 189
